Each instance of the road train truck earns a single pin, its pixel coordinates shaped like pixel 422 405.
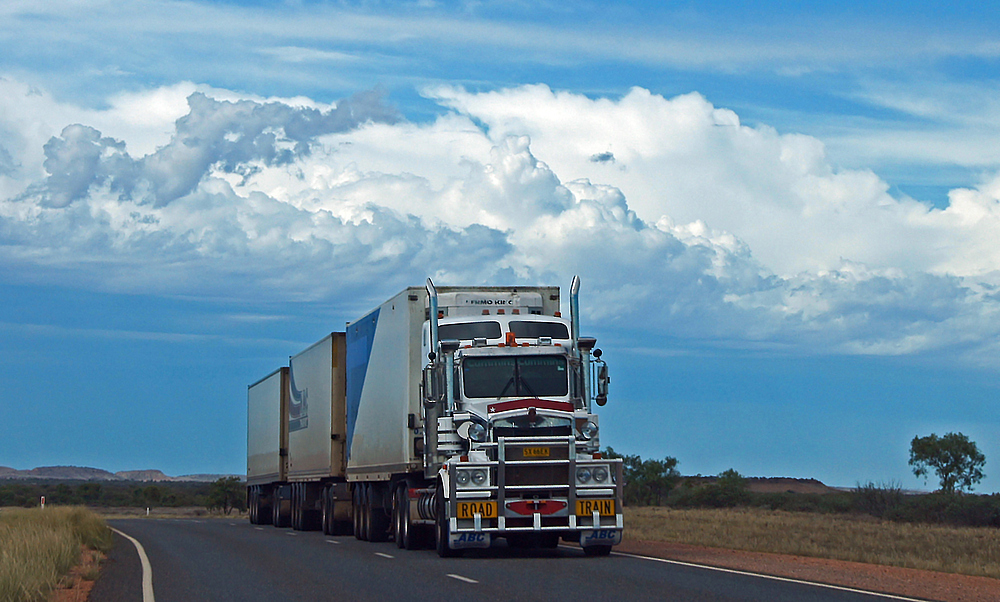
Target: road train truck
pixel 446 417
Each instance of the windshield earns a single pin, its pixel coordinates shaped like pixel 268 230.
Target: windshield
pixel 533 330
pixel 466 331
pixel 498 377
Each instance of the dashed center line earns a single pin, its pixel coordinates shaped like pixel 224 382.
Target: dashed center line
pixel 384 555
pixel 332 541
pixel 461 578
pixel 259 528
pixel 291 533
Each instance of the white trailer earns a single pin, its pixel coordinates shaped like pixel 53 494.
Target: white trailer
pixel 310 491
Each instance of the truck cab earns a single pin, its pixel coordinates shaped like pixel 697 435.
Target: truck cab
pixel 511 435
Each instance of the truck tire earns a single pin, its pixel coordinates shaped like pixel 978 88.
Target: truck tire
pixel 399 503
pixel 327 514
pixel 296 510
pixel 278 518
pixel 408 535
pixel 252 505
pixel 360 522
pixel 441 531
pixel 378 521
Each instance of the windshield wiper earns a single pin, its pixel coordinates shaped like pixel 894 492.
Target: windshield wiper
pixel 527 386
pixel 505 387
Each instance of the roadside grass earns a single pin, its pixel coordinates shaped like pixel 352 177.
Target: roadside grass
pixel 38 547
pixel 964 550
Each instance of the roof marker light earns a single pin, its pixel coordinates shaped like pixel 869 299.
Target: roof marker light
pixel 501 312
pixel 486 312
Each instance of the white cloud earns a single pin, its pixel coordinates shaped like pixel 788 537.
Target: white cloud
pixel 700 228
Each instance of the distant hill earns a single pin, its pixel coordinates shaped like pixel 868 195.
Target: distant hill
pixel 83 473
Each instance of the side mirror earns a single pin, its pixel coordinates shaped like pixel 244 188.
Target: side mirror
pixel 602 384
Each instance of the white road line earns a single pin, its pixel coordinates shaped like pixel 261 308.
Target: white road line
pixel 147 569
pixel 332 541
pixel 259 528
pixel 291 533
pixel 384 555
pixel 461 578
pixel 771 577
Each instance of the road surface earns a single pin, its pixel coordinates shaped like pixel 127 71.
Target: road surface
pixel 220 559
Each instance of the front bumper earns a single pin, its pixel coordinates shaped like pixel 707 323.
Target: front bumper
pixel 529 494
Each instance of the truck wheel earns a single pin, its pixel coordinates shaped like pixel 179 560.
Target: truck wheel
pixel 327 515
pixel 296 508
pixel 597 550
pixel 398 528
pixel 378 521
pixel 441 532
pixel 277 518
pixel 408 535
pixel 357 500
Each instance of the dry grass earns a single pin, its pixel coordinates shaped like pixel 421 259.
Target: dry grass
pixel 968 551
pixel 38 547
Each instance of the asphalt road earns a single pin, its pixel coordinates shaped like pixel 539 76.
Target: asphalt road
pixel 222 560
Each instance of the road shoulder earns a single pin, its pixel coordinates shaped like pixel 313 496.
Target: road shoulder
pixel 121 575
pixel 929 585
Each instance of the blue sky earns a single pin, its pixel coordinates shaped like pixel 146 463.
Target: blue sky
pixel 784 215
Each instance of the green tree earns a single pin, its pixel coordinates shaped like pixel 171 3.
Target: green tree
pixel 227 494
pixel 647 482
pixel 732 488
pixel 955 459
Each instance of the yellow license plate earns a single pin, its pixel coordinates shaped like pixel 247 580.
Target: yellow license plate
pixel 588 507
pixel 471 509
pixel 536 452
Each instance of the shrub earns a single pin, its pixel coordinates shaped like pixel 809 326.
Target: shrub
pixel 880 501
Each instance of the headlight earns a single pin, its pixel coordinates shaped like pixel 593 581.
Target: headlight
pixel 593 475
pixel 472 477
pixel 477 432
pixel 589 430
pixel 479 476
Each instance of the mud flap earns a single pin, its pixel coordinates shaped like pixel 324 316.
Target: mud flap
pixel 601 537
pixel 461 541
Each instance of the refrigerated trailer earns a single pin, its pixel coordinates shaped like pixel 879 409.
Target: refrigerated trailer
pixel 448 417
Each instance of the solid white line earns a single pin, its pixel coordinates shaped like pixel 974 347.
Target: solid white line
pixel 461 578
pixel 332 541
pixel 771 577
pixel 147 569
pixel 384 555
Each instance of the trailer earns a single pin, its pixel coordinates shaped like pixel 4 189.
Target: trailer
pixel 454 416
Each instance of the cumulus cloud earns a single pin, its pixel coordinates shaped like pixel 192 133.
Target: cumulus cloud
pixel 678 217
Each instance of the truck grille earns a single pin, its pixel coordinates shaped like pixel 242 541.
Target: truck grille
pixel 541 474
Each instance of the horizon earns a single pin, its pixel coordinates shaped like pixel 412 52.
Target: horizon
pixel 784 218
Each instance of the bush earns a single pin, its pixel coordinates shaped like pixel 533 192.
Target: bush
pixel 880 501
